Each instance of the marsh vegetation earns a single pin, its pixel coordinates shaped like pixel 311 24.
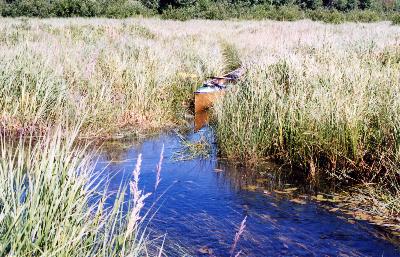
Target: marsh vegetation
pixel 321 99
pixel 52 203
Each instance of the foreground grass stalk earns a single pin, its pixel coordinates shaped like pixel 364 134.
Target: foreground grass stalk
pixel 50 203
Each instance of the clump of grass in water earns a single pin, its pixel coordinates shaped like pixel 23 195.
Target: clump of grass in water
pixel 200 148
pixel 47 189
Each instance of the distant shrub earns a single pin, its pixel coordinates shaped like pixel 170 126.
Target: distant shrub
pixel 71 8
pixel 395 18
pixel 328 16
pixel 204 9
pixel 280 13
pixel 181 14
pixel 214 11
pixel 124 9
pixel 258 12
pixel 222 10
pixel 340 5
pixel 2 7
pixel 310 4
pixel 40 8
pixel 335 11
pixel 365 4
pixel 151 4
pixel 288 13
pixel 352 4
pixel 363 16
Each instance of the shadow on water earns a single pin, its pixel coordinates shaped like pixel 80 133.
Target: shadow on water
pixel 205 200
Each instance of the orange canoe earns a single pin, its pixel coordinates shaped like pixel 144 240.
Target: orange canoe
pixel 211 90
pixel 204 100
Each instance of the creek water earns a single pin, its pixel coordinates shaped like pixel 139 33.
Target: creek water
pixel 203 201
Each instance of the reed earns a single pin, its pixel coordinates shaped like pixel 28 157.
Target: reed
pixel 135 76
pixel 122 76
pixel 51 203
pixel 329 109
pixel 319 97
pixel 342 115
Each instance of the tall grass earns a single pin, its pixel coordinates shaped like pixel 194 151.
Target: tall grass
pixel 342 114
pixel 51 203
pixel 137 75
pixel 323 98
pixel 231 57
pixel 328 107
pixel 123 76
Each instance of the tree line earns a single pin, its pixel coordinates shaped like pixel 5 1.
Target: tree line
pixel 327 10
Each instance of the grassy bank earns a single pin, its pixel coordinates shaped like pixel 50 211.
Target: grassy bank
pixel 52 204
pixel 134 76
pixel 123 77
pixel 326 104
pixel 330 94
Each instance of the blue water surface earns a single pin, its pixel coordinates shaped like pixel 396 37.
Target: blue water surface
pixel 201 207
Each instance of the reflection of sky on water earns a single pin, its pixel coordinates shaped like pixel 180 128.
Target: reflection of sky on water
pixel 202 207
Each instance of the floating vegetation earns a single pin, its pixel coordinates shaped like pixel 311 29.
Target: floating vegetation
pixel 200 148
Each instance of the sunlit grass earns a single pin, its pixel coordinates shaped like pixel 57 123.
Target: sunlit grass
pixel 51 203
pixel 342 114
pixel 322 98
pixel 122 76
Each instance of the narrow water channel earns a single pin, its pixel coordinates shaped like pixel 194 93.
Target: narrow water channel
pixel 202 207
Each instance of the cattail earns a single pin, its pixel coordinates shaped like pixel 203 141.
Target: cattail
pixel 237 237
pixel 158 168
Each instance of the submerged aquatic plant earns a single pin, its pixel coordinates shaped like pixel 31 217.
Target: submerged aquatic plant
pixel 199 148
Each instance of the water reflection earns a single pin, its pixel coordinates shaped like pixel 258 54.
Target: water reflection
pixel 201 119
pixel 204 203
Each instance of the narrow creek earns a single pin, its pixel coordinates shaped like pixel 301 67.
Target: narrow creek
pixel 202 204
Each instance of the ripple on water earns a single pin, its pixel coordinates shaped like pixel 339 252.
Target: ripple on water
pixel 202 208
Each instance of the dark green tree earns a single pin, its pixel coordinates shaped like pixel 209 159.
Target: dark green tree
pixel 352 4
pixel 365 4
pixel 310 4
pixel 151 4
